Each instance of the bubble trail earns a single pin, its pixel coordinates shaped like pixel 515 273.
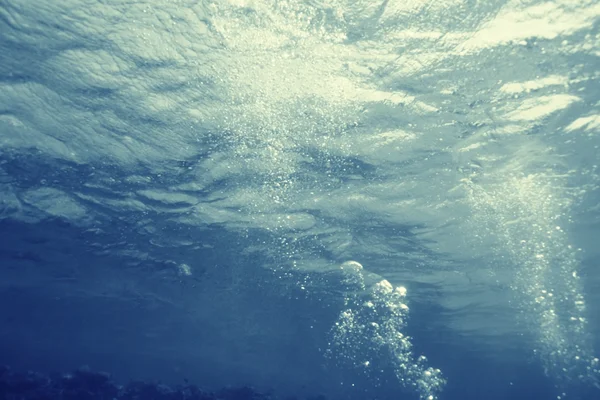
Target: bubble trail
pixel 524 214
pixel 369 333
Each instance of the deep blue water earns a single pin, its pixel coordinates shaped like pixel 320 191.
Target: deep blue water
pixel 356 199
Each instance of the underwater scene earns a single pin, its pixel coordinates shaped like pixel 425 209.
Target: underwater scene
pixel 300 199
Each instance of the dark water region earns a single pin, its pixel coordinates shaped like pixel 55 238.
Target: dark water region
pixel 83 384
pixel 56 319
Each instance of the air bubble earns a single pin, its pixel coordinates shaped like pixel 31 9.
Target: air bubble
pixel 383 287
pixel 184 269
pixel 351 266
pixel 400 290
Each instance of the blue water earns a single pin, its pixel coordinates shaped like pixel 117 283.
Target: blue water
pixel 356 199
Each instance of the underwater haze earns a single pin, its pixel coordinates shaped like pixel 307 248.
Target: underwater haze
pixel 353 199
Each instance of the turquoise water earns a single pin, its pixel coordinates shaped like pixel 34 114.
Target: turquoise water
pixel 356 199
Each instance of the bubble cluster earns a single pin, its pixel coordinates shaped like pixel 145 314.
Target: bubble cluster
pixel 352 278
pixel 368 334
pixel 523 214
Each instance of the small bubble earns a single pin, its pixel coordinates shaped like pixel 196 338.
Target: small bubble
pixel 401 290
pixel 184 269
pixel 351 266
pixel 383 287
